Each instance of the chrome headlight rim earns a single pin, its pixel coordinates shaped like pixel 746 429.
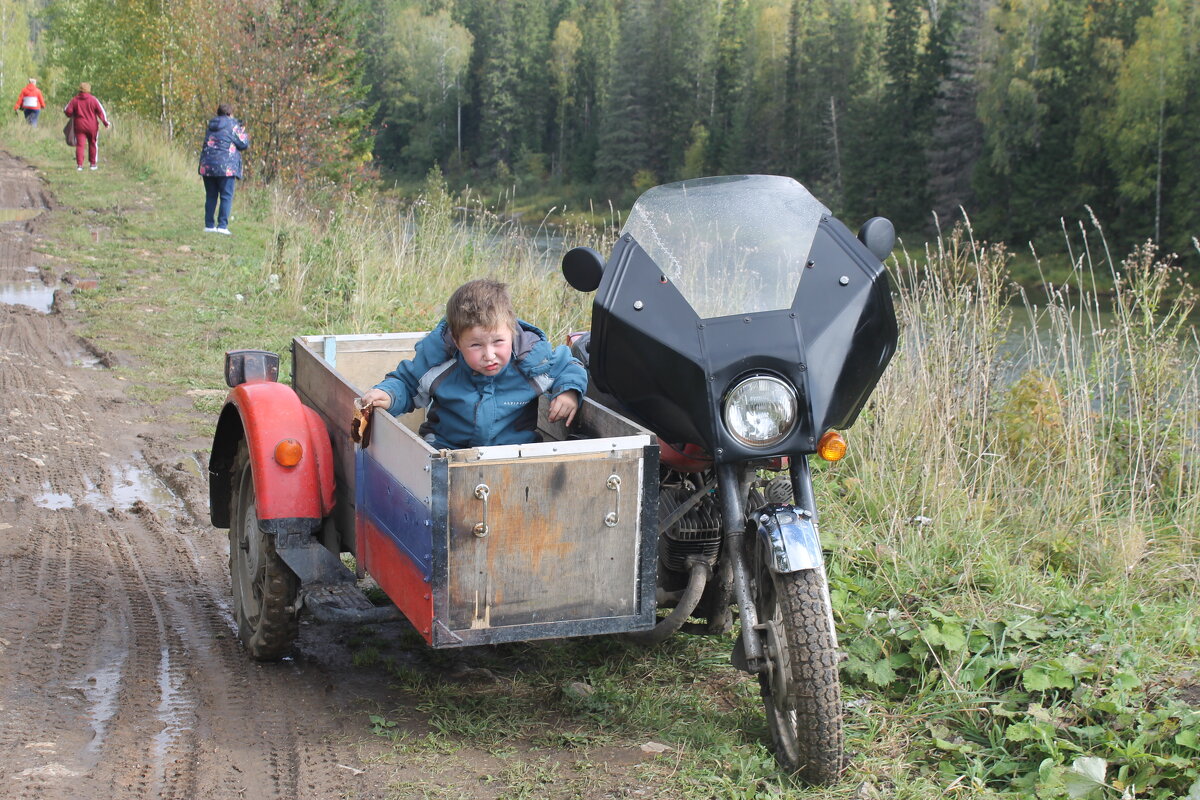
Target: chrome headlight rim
pixel 728 404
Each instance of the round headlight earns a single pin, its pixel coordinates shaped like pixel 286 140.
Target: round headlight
pixel 760 411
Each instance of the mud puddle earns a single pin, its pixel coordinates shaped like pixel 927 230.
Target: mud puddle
pixel 130 484
pixel 31 293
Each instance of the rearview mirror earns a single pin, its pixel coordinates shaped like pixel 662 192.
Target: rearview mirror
pixel 583 268
pixel 879 235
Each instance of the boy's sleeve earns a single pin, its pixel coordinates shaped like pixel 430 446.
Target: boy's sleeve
pixel 567 372
pixel 403 384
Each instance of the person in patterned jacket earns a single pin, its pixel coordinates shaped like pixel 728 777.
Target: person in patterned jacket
pixel 220 166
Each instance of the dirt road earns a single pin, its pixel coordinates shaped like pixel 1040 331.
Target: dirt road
pixel 121 675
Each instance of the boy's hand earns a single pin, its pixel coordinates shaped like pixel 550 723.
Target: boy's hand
pixel 377 398
pixel 564 406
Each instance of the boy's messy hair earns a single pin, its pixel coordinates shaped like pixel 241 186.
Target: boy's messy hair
pixel 483 302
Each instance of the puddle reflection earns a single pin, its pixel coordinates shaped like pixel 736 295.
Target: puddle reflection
pixel 32 294
pixel 131 484
pixel 53 500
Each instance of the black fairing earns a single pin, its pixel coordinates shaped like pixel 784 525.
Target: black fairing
pixel 671 369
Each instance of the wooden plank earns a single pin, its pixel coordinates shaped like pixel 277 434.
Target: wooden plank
pixel 573 450
pixel 365 341
pixel 365 369
pixel 592 421
pixel 363 360
pixel 548 556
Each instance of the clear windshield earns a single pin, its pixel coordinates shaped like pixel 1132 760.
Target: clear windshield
pixel 731 245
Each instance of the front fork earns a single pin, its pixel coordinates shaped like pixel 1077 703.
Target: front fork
pixel 789 533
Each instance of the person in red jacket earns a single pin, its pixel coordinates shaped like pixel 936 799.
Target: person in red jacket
pixel 87 113
pixel 31 101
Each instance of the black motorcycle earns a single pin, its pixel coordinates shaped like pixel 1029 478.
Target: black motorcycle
pixel 744 325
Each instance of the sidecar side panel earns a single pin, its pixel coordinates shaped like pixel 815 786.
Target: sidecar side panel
pixel 548 555
pixel 569 547
pixel 572 520
pixel 395 535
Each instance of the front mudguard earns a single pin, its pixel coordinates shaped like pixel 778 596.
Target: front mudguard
pixel 262 414
pixel 790 537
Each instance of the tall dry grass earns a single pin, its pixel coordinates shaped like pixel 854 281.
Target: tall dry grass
pixel 1060 435
pixel 373 263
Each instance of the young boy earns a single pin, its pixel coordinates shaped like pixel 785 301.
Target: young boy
pixel 480 372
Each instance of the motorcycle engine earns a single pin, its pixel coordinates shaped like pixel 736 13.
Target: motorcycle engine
pixel 697 532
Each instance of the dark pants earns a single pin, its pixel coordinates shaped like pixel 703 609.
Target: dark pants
pixel 214 187
pixel 31 115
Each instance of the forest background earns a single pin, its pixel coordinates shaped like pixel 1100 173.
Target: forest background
pixel 1016 592
pixel 1025 114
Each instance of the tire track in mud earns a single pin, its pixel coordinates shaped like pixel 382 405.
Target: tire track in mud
pixel 121 675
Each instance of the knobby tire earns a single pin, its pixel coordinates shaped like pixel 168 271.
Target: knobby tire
pixel 263 598
pixel 806 724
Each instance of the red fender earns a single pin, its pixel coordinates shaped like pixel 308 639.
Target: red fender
pixel 270 412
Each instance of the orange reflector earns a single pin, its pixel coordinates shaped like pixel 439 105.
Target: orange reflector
pixel 832 446
pixel 289 452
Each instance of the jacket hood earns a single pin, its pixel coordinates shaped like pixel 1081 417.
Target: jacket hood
pixel 216 123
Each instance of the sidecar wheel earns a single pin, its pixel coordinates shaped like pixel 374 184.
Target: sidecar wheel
pixel 801 690
pixel 264 589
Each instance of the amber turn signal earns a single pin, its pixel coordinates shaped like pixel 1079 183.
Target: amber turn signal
pixel 289 452
pixel 832 446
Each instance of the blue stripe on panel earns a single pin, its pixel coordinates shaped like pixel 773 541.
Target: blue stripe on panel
pixel 395 511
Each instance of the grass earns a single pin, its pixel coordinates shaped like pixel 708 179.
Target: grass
pixel 1014 536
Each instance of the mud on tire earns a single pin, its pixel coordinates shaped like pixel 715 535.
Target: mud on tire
pixel 264 588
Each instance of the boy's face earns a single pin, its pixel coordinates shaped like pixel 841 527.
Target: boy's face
pixel 486 350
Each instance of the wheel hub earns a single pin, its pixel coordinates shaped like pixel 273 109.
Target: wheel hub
pixel 777 662
pixel 250 560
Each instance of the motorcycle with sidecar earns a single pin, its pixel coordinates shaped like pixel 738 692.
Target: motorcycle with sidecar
pixel 737 327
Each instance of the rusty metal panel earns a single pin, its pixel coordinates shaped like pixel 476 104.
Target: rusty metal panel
pixel 562 541
pixel 323 390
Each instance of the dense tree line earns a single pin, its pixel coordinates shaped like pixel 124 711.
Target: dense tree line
pixel 1021 112
pixel 292 70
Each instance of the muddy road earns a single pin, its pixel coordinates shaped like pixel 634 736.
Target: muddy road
pixel 121 674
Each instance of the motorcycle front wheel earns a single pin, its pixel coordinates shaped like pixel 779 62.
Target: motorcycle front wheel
pixel 800 688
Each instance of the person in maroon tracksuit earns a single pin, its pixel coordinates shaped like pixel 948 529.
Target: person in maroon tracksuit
pixel 87 114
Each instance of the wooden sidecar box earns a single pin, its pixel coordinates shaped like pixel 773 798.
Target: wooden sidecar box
pixel 492 544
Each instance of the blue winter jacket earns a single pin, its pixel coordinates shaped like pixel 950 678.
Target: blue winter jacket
pixel 466 409
pixel 221 155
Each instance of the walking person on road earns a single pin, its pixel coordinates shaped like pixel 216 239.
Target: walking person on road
pixel 87 114
pixel 221 166
pixel 31 101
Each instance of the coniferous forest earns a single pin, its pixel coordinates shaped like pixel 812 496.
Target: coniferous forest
pixel 1027 114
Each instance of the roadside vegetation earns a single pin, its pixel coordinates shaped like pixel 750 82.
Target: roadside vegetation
pixel 1014 536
